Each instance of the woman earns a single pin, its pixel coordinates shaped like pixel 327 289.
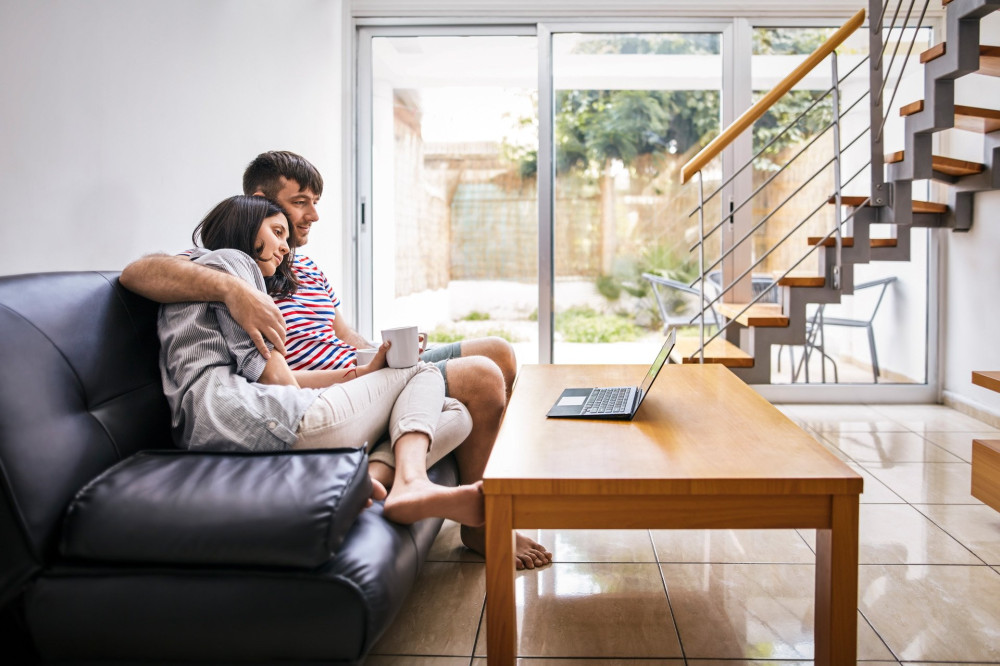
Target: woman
pixel 224 395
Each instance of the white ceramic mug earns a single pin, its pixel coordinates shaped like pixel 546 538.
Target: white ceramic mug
pixel 405 348
pixel 365 356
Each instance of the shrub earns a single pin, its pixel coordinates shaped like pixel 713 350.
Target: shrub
pixel 583 324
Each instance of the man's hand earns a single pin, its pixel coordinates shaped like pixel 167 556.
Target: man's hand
pixel 259 316
pixel 171 279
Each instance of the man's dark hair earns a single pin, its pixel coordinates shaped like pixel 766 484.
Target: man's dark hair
pixel 234 224
pixel 265 172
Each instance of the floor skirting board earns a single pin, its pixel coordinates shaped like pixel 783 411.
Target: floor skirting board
pixel 971 408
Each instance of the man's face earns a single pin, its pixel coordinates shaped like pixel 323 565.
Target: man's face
pixel 300 207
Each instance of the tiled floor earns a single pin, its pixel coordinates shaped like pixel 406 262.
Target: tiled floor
pixel 929 575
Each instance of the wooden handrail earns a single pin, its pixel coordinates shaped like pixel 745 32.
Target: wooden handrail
pixel 738 126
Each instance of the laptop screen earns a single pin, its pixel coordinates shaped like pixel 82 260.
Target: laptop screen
pixel 661 358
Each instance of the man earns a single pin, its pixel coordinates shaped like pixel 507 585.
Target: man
pixel 309 332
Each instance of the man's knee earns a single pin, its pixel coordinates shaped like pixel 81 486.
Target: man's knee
pixel 497 350
pixel 478 383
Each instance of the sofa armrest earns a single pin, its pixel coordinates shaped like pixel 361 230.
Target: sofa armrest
pixel 289 509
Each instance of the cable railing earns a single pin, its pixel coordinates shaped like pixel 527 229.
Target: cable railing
pixel 745 122
pixel 906 60
pixel 892 40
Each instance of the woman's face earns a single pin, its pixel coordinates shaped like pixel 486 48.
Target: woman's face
pixel 271 244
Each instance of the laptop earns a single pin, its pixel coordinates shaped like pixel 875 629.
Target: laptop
pixel 617 402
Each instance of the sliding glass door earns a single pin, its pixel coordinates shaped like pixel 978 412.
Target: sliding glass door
pixel 630 108
pixel 451 228
pixel 523 181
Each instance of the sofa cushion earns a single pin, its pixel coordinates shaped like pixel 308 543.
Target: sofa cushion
pixel 289 509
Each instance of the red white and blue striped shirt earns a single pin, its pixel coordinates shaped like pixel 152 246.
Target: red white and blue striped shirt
pixel 310 340
pixel 309 313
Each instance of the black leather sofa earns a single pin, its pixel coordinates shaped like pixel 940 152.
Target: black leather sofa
pixel 117 547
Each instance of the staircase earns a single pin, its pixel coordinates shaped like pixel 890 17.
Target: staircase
pixel 752 328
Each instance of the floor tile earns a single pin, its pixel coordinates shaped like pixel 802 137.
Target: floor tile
pixel 411 660
pixel 975 527
pixel 441 614
pixel 927 483
pixel 927 418
pixel 583 661
pixel 448 546
pixel 944 663
pixel 598 545
pixel 899 534
pixel 959 443
pixel 734 546
pixel 743 611
pixel 888 447
pixel 841 418
pixel 934 613
pixel 592 610
pixel 875 492
pixel 756 662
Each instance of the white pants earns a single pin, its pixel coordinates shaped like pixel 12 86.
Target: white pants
pixel 395 400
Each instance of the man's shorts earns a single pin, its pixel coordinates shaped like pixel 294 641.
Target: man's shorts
pixel 439 355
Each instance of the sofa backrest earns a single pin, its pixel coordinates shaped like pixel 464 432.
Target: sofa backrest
pixel 79 391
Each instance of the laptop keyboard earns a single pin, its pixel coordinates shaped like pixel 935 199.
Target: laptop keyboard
pixel 606 401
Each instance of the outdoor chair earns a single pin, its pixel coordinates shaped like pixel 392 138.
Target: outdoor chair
pixel 816 332
pixel 760 284
pixel 678 302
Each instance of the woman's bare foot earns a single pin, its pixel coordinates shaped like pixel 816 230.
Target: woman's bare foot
pixel 410 501
pixel 528 553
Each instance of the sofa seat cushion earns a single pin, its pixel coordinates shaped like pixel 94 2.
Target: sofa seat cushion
pixel 289 509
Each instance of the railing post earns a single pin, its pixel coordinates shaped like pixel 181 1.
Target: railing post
pixel 876 18
pixel 838 194
pixel 701 262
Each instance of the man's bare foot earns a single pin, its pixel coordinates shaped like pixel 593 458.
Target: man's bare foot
pixel 378 492
pixel 528 553
pixel 410 501
pixel 382 473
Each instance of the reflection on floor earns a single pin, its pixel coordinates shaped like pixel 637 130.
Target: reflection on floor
pixel 929 583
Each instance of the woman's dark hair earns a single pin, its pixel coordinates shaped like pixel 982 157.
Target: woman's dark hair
pixel 234 224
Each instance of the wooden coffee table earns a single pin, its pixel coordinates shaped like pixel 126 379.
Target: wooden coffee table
pixel 704 451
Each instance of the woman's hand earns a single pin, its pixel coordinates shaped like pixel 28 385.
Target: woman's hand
pixel 378 362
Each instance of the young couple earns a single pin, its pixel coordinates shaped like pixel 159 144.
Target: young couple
pixel 311 391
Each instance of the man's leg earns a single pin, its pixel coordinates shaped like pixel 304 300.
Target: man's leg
pixel 495 349
pixel 480 385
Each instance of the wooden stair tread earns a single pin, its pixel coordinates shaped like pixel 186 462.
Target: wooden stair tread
pixel 758 314
pixel 989 60
pixel 986 471
pixel 929 207
pixel 918 206
pixel 717 351
pixel 946 165
pixel 846 241
pixel 987 379
pixel 969 118
pixel 802 281
pixel 851 200
pixel 989 57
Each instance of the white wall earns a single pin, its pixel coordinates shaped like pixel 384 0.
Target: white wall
pixel 122 123
pixel 971 295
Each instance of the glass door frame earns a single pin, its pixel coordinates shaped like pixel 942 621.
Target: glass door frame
pixel 736 96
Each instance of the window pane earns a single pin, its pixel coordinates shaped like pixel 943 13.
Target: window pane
pixel 630 110
pixel 455 227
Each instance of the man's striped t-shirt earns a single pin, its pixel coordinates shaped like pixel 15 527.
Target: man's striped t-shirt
pixel 309 313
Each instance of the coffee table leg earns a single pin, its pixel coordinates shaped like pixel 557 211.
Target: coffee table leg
pixel 836 628
pixel 501 609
